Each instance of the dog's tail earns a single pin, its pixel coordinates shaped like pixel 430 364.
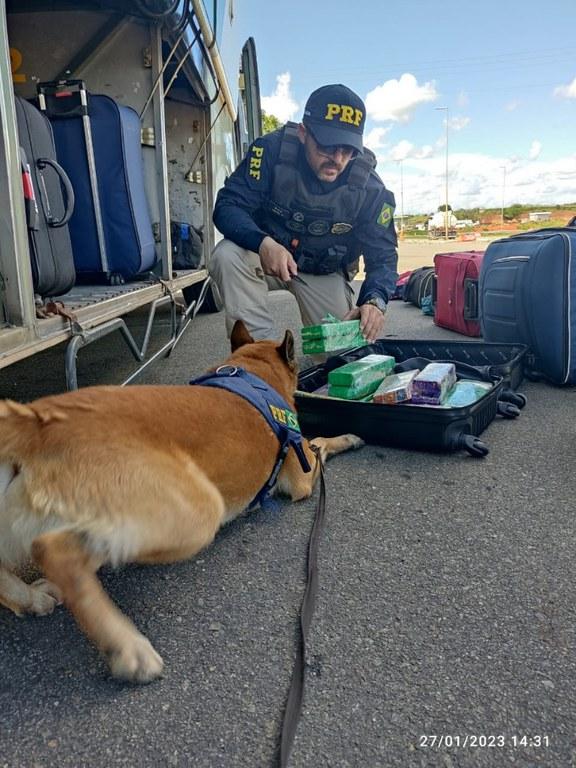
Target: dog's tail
pixel 21 426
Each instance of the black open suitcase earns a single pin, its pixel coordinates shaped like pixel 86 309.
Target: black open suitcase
pixel 418 427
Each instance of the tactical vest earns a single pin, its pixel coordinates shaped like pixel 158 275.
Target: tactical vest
pixel 317 228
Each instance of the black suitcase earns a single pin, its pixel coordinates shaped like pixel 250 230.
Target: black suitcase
pixel 48 210
pixel 418 427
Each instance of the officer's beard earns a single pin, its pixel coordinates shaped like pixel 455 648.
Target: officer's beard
pixel 331 167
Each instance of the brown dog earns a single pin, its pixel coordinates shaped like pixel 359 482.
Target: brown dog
pixel 143 474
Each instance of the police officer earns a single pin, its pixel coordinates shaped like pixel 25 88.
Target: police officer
pixel 298 212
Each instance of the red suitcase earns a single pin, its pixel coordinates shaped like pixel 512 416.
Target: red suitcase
pixel 456 291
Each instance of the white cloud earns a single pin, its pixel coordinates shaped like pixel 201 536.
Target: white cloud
pixel 535 150
pixel 281 104
pixel 373 139
pixel 424 152
pixel 512 106
pixel 457 123
pixel 401 151
pixel 476 180
pixel 395 100
pixel 405 150
pixel 566 91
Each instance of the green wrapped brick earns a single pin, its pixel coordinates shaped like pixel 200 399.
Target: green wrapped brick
pixel 352 393
pixel 331 335
pixel 367 369
pixel 334 344
pixel 330 329
pixel 360 378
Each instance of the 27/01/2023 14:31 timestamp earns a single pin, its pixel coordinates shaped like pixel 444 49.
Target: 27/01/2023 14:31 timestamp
pixel 480 741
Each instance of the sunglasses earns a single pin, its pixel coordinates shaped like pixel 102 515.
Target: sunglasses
pixel 346 151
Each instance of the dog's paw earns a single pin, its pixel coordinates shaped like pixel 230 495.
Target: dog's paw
pixel 137 661
pixel 44 597
pixel 354 442
pixel 330 446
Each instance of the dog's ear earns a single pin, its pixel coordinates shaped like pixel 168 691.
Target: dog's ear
pixel 240 336
pixel 286 350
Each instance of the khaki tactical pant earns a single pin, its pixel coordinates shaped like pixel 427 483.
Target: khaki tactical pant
pixel 244 288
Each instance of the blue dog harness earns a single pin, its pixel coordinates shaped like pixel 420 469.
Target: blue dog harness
pixel 271 405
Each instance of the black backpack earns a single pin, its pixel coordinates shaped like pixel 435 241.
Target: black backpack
pixel 419 285
pixel 186 245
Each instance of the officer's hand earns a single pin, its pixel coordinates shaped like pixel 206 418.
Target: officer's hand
pixel 276 260
pixel 371 321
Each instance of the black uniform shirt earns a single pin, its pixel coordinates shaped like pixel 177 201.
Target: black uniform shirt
pixel 245 191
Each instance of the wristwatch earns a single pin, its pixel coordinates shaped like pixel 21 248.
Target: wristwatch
pixel 378 302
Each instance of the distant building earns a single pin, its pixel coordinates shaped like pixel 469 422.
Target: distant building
pixel 539 216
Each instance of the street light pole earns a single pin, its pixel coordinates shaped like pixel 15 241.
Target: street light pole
pixel 445 109
pixel 401 162
pixel 503 190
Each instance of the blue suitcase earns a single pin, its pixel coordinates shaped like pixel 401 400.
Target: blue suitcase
pixel 527 295
pixel 98 144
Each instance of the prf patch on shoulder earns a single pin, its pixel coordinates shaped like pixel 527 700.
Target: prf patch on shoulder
pixel 255 162
pixel 385 215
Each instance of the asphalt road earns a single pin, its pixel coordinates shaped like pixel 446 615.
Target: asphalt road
pixel 446 608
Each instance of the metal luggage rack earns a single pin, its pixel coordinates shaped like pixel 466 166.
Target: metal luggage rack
pixel 82 296
pixel 95 311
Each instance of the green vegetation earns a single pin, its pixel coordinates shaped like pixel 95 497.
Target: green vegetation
pixel 513 212
pixel 270 123
pixel 490 219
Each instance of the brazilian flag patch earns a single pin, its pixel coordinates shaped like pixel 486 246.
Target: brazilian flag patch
pixel 385 215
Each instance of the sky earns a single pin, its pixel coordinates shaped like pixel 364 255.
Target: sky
pixel 487 89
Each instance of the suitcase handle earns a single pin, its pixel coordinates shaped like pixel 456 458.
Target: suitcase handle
pixel 463 370
pixel 63 98
pixel 30 203
pixel 470 299
pixel 66 183
pixel 55 86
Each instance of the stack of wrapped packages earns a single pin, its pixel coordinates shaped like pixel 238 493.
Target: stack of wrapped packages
pixel 331 335
pixel 360 379
pixel 372 378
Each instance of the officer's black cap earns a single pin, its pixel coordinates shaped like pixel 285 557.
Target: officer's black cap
pixel 335 115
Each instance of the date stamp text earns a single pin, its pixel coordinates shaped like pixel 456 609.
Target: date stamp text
pixel 482 741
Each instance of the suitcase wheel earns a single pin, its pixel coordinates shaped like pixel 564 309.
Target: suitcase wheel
pixel 516 398
pixel 115 278
pixel 508 410
pixel 474 445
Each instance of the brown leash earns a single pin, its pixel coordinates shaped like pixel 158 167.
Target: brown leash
pixel 296 690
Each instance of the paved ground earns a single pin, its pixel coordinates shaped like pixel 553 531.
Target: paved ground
pixel 446 609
